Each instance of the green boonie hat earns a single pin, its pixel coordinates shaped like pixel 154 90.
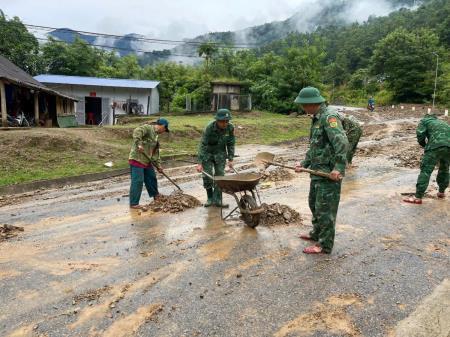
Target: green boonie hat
pixel 223 115
pixel 309 95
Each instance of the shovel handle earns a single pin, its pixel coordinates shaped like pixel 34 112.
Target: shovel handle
pixel 170 179
pixel 315 173
pixel 163 173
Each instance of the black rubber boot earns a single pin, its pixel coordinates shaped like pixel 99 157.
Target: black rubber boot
pixel 218 198
pixel 210 201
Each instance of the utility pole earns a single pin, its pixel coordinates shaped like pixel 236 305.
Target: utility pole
pixel 436 77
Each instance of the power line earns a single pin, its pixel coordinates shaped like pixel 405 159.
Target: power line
pixel 120 48
pixel 149 40
pixel 124 37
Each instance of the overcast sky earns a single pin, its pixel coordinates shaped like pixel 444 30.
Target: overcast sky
pixel 175 19
pixel 172 19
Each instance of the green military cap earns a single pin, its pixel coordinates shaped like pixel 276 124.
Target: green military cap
pixel 309 95
pixel 223 115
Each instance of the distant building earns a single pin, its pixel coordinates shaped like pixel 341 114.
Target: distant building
pixel 21 94
pixel 101 99
pixel 228 95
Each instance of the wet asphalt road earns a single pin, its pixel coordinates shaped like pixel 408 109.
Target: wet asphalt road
pixel 87 266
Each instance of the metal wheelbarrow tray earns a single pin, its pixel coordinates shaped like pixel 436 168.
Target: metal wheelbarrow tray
pixel 245 185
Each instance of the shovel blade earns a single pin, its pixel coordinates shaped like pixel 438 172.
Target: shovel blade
pixel 262 159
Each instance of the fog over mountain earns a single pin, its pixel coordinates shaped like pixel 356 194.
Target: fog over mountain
pixel 308 16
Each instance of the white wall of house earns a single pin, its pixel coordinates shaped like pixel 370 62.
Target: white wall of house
pixel 148 98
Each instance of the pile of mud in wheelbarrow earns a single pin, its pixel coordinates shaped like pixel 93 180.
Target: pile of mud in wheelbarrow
pixel 243 187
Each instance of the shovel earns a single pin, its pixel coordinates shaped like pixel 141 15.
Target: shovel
pixel 163 173
pixel 266 159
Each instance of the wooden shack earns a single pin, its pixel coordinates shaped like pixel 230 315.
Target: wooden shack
pixel 230 95
pixel 21 94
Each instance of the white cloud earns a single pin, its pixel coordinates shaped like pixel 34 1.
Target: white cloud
pixel 168 19
pixel 177 19
pixel 361 10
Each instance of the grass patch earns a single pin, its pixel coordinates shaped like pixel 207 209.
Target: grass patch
pixel 37 154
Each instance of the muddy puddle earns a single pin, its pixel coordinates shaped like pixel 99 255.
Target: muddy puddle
pixel 331 317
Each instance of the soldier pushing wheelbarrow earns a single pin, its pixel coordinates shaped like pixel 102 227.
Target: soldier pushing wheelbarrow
pixel 216 147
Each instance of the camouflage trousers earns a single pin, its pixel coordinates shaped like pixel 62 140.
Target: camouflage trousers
pixel 353 140
pixel 214 167
pixel 430 159
pixel 324 197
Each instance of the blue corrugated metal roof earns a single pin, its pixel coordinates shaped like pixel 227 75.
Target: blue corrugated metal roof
pixel 96 81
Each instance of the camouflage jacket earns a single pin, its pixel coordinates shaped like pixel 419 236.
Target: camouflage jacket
pixel 146 136
pixel 217 143
pixel 350 124
pixel 328 143
pixel 433 133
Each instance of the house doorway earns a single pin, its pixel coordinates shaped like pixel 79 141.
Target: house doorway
pixel 93 109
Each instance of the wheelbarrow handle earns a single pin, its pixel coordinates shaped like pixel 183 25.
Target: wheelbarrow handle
pixel 315 173
pixel 163 173
pixel 208 175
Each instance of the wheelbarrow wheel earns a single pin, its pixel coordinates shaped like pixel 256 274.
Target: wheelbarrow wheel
pixel 248 203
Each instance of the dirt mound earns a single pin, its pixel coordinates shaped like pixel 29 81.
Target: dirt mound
pixel 52 142
pixel 279 174
pixel 408 156
pixel 372 130
pixel 132 120
pixel 119 133
pixel 404 154
pixel 369 151
pixel 91 295
pixel 277 214
pixel 8 232
pixel 174 203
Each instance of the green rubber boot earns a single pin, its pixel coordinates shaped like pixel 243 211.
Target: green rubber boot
pixel 210 200
pixel 218 198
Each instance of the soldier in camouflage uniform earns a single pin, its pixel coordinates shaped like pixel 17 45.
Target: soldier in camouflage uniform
pixel 328 153
pixel 353 132
pixel 216 146
pixel 145 140
pixel 433 135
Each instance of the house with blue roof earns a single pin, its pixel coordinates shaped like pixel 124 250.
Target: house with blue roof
pixel 101 100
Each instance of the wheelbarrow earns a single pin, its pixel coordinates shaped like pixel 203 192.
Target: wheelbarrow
pixel 242 186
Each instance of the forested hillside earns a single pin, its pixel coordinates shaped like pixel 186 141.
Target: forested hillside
pixel 393 58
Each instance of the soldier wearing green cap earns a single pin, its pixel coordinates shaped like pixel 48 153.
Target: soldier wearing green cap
pixel 328 153
pixel 216 147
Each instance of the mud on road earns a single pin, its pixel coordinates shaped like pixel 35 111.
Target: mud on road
pixel 86 265
pixel 174 203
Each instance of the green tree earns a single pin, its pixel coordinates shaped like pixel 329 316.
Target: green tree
pixel 443 92
pixel 78 58
pixel 123 67
pixel 404 60
pixel 207 50
pixel 18 45
pixel 172 77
